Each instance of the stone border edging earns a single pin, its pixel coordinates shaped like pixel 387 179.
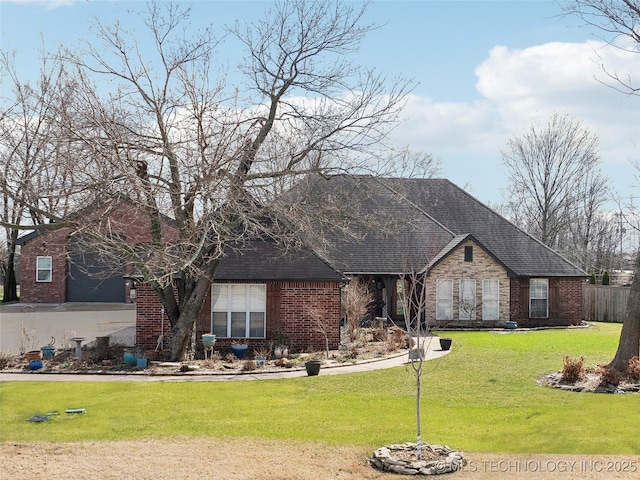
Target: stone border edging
pixel 452 460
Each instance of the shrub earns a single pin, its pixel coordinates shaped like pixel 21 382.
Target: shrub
pixel 5 360
pixel 249 366
pixel 605 278
pixel 609 376
pixel 573 370
pixel 633 369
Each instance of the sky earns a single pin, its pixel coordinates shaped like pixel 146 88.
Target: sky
pixel 485 71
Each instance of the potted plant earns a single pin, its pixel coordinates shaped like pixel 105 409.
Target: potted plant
pixel 313 366
pixel 261 355
pixel 239 348
pixel 208 339
pixel 281 339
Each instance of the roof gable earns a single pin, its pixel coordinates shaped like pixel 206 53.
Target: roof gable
pixel 421 218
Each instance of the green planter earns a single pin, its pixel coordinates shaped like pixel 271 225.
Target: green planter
pixel 48 351
pixel 130 358
pixel 208 340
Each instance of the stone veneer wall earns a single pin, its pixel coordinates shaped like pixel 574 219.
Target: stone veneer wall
pixel 483 267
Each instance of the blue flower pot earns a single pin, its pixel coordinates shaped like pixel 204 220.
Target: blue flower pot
pixel 239 350
pixel 35 364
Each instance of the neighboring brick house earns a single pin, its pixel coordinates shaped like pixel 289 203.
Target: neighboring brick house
pixel 482 271
pixel 56 268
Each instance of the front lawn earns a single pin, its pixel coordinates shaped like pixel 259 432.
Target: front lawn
pixel 482 397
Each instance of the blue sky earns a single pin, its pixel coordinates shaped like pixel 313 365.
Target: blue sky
pixel 486 70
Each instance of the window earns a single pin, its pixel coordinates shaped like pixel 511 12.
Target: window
pixel 467 296
pixel 491 299
pixel 444 300
pixel 468 253
pixel 400 300
pixel 238 310
pixel 539 298
pixel 43 269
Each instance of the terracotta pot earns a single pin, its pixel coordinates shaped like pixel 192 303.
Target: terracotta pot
pixel 33 355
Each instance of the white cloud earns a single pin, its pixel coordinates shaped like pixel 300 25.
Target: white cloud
pixel 47 4
pixel 517 87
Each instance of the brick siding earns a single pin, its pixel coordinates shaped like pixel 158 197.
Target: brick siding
pixel 126 222
pixel 288 306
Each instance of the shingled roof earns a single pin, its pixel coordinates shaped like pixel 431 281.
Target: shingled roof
pixel 418 219
pixel 263 259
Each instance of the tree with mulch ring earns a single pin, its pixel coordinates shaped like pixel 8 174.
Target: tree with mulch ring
pixel 417 458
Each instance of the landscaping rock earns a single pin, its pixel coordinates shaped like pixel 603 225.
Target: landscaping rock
pixel 402 459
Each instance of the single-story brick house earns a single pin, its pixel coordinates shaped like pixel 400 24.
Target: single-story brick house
pixel 482 270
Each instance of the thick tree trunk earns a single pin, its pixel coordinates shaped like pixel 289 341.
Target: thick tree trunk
pixel 629 344
pixel 189 310
pixel 10 287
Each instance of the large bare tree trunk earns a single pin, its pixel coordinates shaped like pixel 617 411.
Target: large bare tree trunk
pixel 182 328
pixel 10 284
pixel 629 344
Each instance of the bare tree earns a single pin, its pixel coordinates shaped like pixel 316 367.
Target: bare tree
pixel 553 172
pixel 168 138
pixel 33 157
pixel 413 298
pixel 619 20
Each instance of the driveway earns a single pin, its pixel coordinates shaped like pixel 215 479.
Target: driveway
pixel 31 326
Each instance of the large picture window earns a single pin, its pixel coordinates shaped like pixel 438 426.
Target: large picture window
pixel 491 299
pixel 467 304
pixel 444 300
pixel 43 269
pixel 238 310
pixel 539 298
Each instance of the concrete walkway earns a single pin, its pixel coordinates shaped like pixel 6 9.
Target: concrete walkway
pixel 431 347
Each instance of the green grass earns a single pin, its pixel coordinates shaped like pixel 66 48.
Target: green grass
pixel 481 397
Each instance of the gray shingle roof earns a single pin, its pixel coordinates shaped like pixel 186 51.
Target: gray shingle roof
pixel 265 260
pixel 419 218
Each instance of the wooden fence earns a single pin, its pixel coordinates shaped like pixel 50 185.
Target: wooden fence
pixel 603 303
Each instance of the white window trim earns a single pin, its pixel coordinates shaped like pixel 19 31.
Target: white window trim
pixel 464 314
pixel 440 299
pixel 40 269
pixel 546 297
pixel 486 300
pixel 247 311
